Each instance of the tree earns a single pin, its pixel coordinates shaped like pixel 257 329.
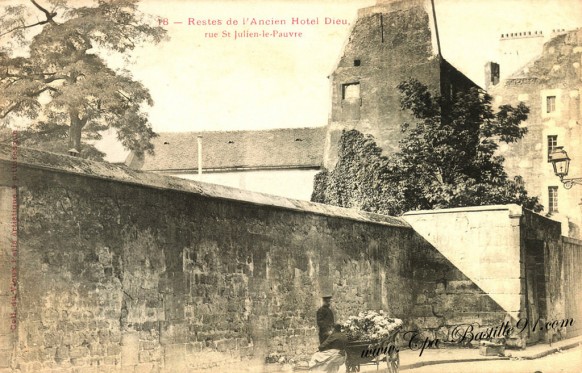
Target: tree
pixel 446 159
pixel 64 84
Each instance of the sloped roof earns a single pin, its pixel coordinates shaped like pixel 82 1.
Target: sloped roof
pixel 556 63
pixel 228 150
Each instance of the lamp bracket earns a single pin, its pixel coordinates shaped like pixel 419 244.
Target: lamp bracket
pixel 569 183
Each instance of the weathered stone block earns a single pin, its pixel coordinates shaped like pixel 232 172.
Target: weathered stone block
pixel 462 286
pixel 113 350
pixel 111 360
pixel 29 367
pixel 491 349
pixel 421 310
pixel 429 322
pixel 87 369
pixel 461 319
pixel 129 348
pixel 440 288
pixel 148 345
pixel 115 336
pixel 145 357
pixel 144 368
pixel 78 352
pixel 194 347
pixel 81 361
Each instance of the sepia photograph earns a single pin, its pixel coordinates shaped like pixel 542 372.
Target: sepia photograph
pixel 276 186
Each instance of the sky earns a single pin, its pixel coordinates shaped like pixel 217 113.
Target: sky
pixel 204 83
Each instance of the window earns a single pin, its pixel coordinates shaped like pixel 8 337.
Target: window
pixel 550 104
pixel 357 62
pixel 552 143
pixel 553 199
pixel 350 91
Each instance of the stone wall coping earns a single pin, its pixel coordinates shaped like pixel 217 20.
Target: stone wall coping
pixel 60 163
pixel 572 241
pixel 512 209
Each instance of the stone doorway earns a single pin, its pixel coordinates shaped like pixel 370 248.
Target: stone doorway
pixel 535 280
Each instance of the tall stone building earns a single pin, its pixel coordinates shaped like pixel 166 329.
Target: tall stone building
pixel 550 85
pixel 390 42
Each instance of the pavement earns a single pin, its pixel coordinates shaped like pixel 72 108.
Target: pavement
pixel 411 360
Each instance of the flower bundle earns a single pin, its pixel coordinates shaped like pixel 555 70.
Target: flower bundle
pixel 370 326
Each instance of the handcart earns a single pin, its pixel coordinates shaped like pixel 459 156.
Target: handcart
pixel 373 352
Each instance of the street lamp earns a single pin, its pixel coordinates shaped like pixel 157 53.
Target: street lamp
pixel 561 163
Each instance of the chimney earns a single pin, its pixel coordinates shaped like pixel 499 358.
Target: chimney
pixel 491 74
pixel 199 155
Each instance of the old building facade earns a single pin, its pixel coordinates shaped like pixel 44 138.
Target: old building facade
pixel 390 42
pixel 550 86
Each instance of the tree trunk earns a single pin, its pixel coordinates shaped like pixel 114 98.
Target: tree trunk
pixel 75 131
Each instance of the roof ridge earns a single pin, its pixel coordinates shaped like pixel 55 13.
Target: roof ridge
pixel 248 130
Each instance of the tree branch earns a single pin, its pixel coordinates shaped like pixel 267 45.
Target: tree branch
pixel 49 15
pixel 31 94
pixel 52 77
pixel 121 93
pixel 8 111
pixel 24 27
pixel 49 19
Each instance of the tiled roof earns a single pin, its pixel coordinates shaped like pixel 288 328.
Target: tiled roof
pixel 227 150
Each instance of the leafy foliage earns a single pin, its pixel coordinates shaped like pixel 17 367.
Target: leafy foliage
pixel 64 84
pixel 447 158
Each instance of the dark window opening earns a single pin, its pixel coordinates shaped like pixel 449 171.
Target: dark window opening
pixel 357 62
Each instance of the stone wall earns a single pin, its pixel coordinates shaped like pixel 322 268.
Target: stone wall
pixel 560 266
pixel 518 257
pixel 123 271
pixel 572 265
pixel 483 242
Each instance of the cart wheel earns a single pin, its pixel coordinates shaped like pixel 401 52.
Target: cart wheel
pixel 352 368
pixel 393 361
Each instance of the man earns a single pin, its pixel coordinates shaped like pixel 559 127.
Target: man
pixel 331 353
pixel 325 319
pixel 337 340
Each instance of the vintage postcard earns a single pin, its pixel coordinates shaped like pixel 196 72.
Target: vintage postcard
pixel 290 185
